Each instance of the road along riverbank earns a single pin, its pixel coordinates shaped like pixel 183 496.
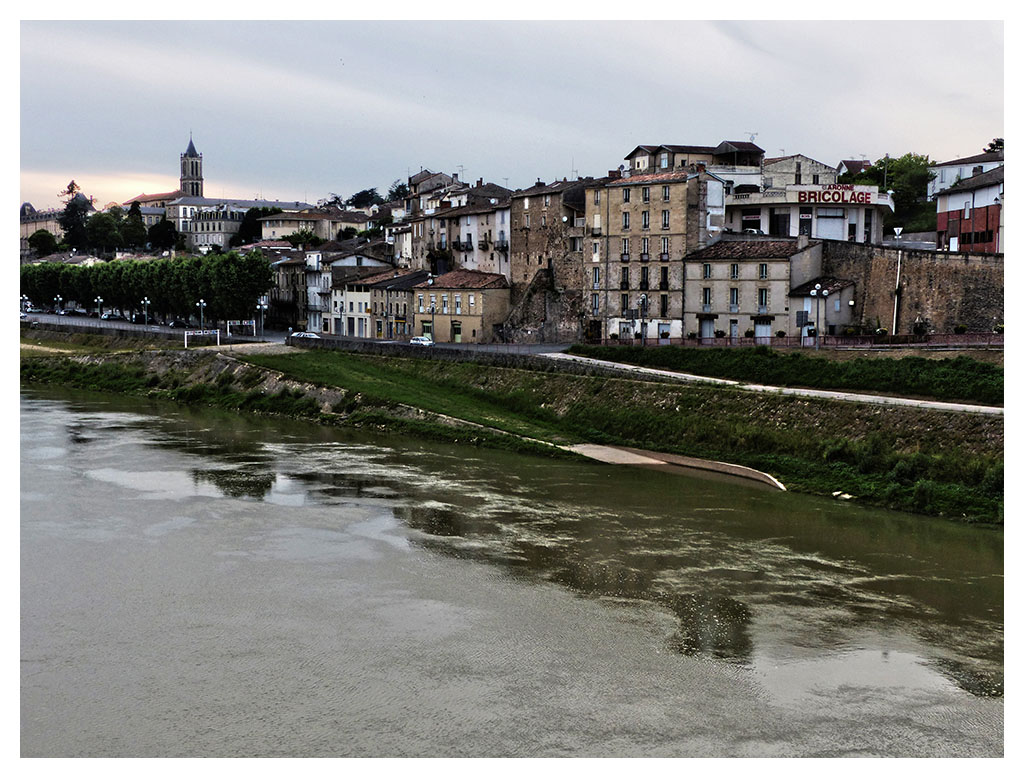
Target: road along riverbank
pixel 910 459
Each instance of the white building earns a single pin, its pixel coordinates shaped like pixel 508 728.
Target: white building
pixel 948 173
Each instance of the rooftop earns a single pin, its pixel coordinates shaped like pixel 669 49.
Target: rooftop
pixel 748 249
pixel 467 279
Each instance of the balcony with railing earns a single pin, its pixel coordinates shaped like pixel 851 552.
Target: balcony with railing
pixel 644 285
pixel 663 286
pixel 734 308
pixel 663 256
pixel 624 257
pixel 762 309
pixel 705 307
pixel 645 257
pixel 624 285
pixel 595 231
pixel 501 245
pixel 483 243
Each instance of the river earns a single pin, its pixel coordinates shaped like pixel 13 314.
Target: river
pixel 197 583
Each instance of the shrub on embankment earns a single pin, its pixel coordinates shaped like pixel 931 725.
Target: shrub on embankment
pixel 904 458
pixel 958 379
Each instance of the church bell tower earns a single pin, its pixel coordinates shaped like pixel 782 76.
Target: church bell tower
pixel 191 171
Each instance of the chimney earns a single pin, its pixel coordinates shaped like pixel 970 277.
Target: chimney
pixel 479 182
pixel 802 241
pixel 614 174
pixel 455 176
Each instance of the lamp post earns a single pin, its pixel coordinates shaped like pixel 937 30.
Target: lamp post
pixel 261 306
pixel 824 296
pixel 24 302
pixel 99 306
pixel 643 320
pixel 816 294
pixel 56 303
pixel 201 305
pixel 433 336
pixel 145 307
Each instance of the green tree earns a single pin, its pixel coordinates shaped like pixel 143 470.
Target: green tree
pixel 133 230
pixel 74 217
pixel 907 177
pixel 163 235
pixel 104 232
pixel 996 144
pixel 364 199
pixel 42 242
pixel 399 190
pixel 303 238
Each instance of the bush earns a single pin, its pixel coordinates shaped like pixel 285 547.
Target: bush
pixel 959 329
pixel 748 333
pixel 780 334
pixel 719 333
pixel 691 336
pixel 998 329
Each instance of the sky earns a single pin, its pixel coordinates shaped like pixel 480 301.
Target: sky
pixel 302 110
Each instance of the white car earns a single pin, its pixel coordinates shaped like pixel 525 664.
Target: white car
pixel 421 340
pixel 305 335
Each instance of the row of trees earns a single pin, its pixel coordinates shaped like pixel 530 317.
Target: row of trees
pixel 229 283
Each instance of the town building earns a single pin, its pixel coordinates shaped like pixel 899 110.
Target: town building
pixel 948 173
pixel 477 234
pixel 327 223
pixel 462 306
pixel 31 221
pixel 735 286
pixel 351 298
pixel 833 211
pixel 780 172
pixel 969 214
pixel 640 230
pixel 392 302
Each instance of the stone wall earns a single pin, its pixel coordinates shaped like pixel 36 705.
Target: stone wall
pixel 942 289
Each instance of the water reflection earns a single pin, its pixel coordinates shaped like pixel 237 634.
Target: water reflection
pixel 736 568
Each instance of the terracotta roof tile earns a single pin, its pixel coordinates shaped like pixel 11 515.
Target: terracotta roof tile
pixel 467 279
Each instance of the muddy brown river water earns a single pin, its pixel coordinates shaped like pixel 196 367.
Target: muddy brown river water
pixel 196 583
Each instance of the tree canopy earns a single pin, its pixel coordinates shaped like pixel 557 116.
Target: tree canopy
pixel 250 230
pixel 399 190
pixel 42 242
pixel 229 283
pixel 996 144
pixel 364 199
pixel 907 176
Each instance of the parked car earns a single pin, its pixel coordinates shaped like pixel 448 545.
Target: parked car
pixel 24 316
pixel 421 340
pixel 177 323
pixel 305 335
pixel 111 316
pixel 35 309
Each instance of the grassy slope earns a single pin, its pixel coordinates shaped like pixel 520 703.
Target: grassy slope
pixel 916 460
pixel 959 379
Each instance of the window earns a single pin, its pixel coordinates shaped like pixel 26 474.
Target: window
pixel 597 197
pixel 663 161
pixel 762 299
pixel 625 303
pixel 734 299
pixel 665 193
pixel 597 278
pixel 664 247
pixel 967 210
pixel 645 245
pixel 645 194
pixel 645 276
pixel 458 303
pixel 595 303
pixel 472 300
pixel 705 296
pixel 664 220
pixel 645 219
pixel 526 203
pixel 625 220
pixel 526 221
pixel 625 278
pixel 543 220
pixel 814 179
pixel 625 247
pixel 664 306
pixel 734 271
pixel 762 271
pixel 625 194
pixel 547 199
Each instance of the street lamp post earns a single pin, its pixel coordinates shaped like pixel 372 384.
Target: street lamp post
pixel 24 302
pixel 816 294
pixel 433 335
pixel 56 302
pixel 643 320
pixel 261 306
pixel 201 305
pixel 99 306
pixel 145 307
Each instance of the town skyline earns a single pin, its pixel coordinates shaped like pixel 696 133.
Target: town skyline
pixel 369 119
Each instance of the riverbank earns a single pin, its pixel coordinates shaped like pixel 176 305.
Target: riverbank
pixel 907 459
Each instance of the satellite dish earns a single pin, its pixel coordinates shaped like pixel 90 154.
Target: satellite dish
pixel 565 218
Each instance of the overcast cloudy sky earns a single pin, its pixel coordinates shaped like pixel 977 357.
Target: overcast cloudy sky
pixel 297 110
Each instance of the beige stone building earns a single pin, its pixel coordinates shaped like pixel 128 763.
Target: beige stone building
pixel 780 172
pixel 736 287
pixel 640 229
pixel 463 306
pixel 392 304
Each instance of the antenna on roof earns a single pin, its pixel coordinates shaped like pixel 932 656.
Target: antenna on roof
pixel 505 179
pixel 783 152
pixel 751 134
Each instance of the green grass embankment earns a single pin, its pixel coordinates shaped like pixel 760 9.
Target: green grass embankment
pixel 908 459
pixel 959 379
